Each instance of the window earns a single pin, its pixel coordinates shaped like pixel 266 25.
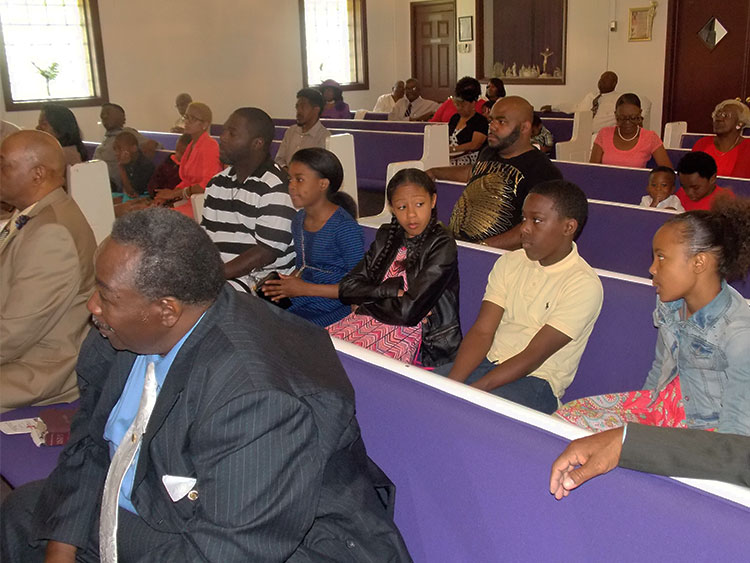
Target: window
pixel 334 42
pixel 52 51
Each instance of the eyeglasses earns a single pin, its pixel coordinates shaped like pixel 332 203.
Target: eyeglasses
pixel 721 114
pixel 634 118
pixel 189 117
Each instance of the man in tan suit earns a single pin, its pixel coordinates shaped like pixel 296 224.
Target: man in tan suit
pixel 46 275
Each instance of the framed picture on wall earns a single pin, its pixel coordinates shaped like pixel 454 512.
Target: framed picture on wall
pixel 466 28
pixel 640 23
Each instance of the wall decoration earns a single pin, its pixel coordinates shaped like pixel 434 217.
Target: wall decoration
pixel 521 42
pixel 466 28
pixel 641 23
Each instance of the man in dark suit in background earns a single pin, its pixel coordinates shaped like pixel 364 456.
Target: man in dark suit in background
pixel 251 452
pixel 678 452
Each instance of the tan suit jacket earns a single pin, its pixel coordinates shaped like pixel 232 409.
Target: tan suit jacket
pixel 46 278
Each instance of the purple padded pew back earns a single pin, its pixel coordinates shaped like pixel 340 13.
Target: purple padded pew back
pixel 626 185
pixel 371 115
pixel 471 485
pixel 561 129
pixel 627 309
pixel 689 139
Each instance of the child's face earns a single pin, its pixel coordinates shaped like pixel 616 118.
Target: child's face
pixel 306 187
pixel 124 153
pixel 660 186
pixel 545 236
pixel 672 270
pixel 696 186
pixel 412 205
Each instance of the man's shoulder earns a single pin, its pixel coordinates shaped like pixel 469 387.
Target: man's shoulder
pixel 60 210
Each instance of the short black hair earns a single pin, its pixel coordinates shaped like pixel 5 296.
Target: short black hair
pixel 697 161
pixel 128 138
pixel 313 96
pixel 536 120
pixel 628 98
pixel 666 169
pixel 499 85
pixel 177 257
pixel 468 89
pixel 259 123
pixel 569 200
pixel 117 106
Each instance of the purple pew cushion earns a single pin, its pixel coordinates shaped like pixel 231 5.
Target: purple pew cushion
pixel 20 460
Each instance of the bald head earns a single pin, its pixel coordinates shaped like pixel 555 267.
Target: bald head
pixel 182 101
pixel 33 165
pixel 607 82
pixel 510 126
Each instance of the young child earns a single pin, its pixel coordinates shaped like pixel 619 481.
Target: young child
pixel 539 308
pixel 406 287
pixel 698 188
pixel 327 239
pixel 704 331
pixel 661 190
pixel 167 174
pixel 135 169
pixel 541 137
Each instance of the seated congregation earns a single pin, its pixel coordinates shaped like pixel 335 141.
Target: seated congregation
pixel 279 242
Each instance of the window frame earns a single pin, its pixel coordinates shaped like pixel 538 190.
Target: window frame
pixel 364 82
pixel 98 71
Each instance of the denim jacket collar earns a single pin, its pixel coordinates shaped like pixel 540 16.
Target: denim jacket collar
pixel 669 312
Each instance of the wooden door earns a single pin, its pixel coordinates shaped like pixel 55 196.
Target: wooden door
pixel 433 32
pixel 696 77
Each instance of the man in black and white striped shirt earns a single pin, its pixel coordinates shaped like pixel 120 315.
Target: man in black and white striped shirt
pixel 248 213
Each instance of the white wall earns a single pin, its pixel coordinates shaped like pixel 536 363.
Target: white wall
pixel 231 53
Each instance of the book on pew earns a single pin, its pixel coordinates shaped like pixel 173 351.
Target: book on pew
pixel 56 431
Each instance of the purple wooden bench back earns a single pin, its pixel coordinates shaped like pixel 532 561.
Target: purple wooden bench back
pixel 561 129
pixel 610 362
pixel 159 157
pixel 471 485
pixel 626 185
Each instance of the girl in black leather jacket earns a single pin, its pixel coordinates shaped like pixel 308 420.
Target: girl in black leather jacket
pixel 430 269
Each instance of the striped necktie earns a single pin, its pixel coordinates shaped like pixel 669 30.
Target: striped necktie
pixel 119 465
pixel 408 110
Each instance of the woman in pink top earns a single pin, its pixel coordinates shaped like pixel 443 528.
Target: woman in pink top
pixel 728 147
pixel 201 161
pixel 627 143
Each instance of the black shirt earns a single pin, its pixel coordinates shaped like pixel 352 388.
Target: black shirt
pixel 492 201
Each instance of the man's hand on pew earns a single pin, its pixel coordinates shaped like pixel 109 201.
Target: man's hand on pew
pixel 584 459
pixel 450 173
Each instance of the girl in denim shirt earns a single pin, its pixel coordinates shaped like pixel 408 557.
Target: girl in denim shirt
pixel 700 377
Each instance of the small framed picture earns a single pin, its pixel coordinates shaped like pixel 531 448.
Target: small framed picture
pixel 640 22
pixel 466 28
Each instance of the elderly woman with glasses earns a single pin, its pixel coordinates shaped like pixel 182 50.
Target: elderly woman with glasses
pixel 200 162
pixel 627 143
pixel 728 147
pixel 467 129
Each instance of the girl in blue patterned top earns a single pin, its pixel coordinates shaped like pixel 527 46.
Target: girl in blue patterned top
pixel 327 239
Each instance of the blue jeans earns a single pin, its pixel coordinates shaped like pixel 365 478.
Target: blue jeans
pixel 532 392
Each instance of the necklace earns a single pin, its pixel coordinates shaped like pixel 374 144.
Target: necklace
pixel 637 132
pixel 736 142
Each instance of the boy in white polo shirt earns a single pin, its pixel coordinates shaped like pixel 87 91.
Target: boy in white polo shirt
pixel 539 308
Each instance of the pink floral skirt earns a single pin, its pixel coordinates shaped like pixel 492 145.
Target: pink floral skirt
pixel 612 410
pixel 398 342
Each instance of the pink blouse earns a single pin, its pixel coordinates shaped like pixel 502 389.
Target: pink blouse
pixel 637 157
pixel 200 162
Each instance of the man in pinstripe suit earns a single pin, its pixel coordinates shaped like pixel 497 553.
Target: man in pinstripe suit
pixel 252 451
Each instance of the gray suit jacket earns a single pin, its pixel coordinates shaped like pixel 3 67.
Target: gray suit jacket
pixel 258 409
pixel 687 453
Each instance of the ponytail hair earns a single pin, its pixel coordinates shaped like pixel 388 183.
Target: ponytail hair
pixel 724 232
pixel 326 165
pixel 396 233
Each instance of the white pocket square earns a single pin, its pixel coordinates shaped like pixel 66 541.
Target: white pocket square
pixel 177 486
